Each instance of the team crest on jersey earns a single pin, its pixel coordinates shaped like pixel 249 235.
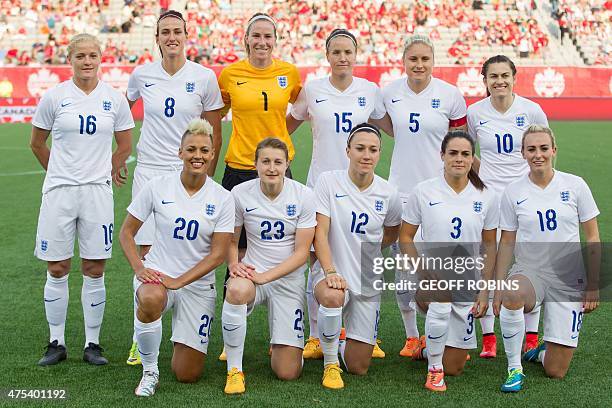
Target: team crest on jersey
pixel 361 101
pixel 520 120
pixel 565 196
pixel 190 87
pixel 107 105
pixel 282 81
pixel 210 209
pixel 379 205
pixel 435 103
pixel 477 206
pixel 291 209
pixel 44 245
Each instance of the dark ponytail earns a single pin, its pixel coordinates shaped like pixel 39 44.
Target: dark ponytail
pixel 497 59
pixel 472 175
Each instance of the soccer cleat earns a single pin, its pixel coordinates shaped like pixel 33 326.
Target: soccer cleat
pixel 411 344
pixel 468 358
pixel 54 354
pixel 377 352
pixel 148 384
pixel 531 342
pixel 342 334
pixel 223 356
pixel 332 378
pixel 435 381
pixel 93 354
pixel 418 352
pixel 134 356
pixel 489 346
pixel 312 349
pixel 514 382
pixel 533 355
pixel 235 382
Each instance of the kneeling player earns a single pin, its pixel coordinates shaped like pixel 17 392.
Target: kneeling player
pixel 357 213
pixel 278 215
pixel 194 221
pixel 542 213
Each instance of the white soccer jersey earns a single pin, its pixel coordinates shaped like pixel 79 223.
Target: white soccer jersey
pixel 271 224
pixel 500 138
pixel 420 122
pixel 333 114
pixel 170 103
pixel 82 128
pixel 551 215
pixel 184 224
pixel 447 216
pixel 357 224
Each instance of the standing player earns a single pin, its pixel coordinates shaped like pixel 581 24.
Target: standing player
pixel 497 123
pixel 357 213
pixel 422 110
pixel 174 91
pixel 194 222
pixel 258 90
pixel 279 217
pixel 542 212
pixel 455 209
pixel 333 105
pixel 82 115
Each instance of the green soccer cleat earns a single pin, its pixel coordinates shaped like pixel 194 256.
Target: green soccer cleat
pixel 134 356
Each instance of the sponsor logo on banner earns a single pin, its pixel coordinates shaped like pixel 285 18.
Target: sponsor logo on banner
pixel 549 83
pixel 321 72
pixel 116 78
pixel 387 77
pixel 470 83
pixel 39 82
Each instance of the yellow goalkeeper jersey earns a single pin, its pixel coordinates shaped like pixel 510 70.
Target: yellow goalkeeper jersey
pixel 258 99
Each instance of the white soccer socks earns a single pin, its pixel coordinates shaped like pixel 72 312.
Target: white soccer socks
pixel 513 331
pixel 233 321
pixel 56 307
pixel 313 310
pixel 487 322
pixel 93 299
pixel 148 337
pixel 532 320
pixel 436 329
pixel 410 321
pixel 330 323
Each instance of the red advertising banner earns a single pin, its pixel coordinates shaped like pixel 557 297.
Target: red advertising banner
pixel 563 92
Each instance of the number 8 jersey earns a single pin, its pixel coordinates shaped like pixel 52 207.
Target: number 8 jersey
pixel 184 224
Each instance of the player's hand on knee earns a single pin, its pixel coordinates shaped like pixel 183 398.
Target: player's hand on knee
pixel 335 281
pixel 146 275
pixel 258 278
pixel 169 282
pixel 591 300
pixel 241 270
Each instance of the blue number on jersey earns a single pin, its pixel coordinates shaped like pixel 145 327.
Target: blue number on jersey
pixel 414 122
pixel 267 229
pixel 551 220
pixel 169 107
pixel 347 124
pixel 457 228
pixel 470 320
pixel 356 227
pixel 192 229
pixel 297 324
pixel 87 125
pixel 108 234
pixel 205 328
pixel 504 143
pixel 576 321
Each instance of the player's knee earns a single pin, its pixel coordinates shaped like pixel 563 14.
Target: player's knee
pixel 331 298
pixel 59 269
pixel 238 291
pixel 150 302
pixel 513 300
pixel 453 371
pixel 357 368
pixel 187 375
pixel 288 373
pixel 93 269
pixel 557 373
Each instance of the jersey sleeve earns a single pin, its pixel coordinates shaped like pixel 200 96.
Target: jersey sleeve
pixel 223 88
pixel 411 210
pixel 459 107
pixel 133 89
pixel 123 119
pixel 587 208
pixel 45 112
pixel 308 217
pixel 491 220
pixel 211 98
pixel 226 220
pixel 143 204
pixel 508 219
pixel 379 107
pixel 239 216
pixel 471 125
pixel 295 79
pixel 539 117
pixel 394 214
pixel 299 110
pixel 322 196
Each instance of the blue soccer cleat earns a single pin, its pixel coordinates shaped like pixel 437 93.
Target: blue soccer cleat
pixel 514 382
pixel 533 355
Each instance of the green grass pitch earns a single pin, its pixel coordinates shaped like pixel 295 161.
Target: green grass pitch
pixel 583 150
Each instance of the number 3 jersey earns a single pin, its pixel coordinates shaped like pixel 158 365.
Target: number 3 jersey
pixel 170 102
pixel 184 224
pixel 271 225
pixel 357 221
pixel 82 129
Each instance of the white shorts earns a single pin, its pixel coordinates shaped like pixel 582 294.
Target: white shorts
pixel 66 211
pixel 286 304
pixel 193 312
pixel 142 175
pixel 461 327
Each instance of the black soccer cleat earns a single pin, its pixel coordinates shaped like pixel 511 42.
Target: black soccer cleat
pixel 54 354
pixel 93 354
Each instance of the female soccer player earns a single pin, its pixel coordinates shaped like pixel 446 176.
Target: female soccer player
pixel 422 110
pixel 542 213
pixel 496 123
pixel 194 224
pixel 455 208
pixel 279 217
pixel 357 213
pixel 333 105
pixel 174 91
pixel 82 115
